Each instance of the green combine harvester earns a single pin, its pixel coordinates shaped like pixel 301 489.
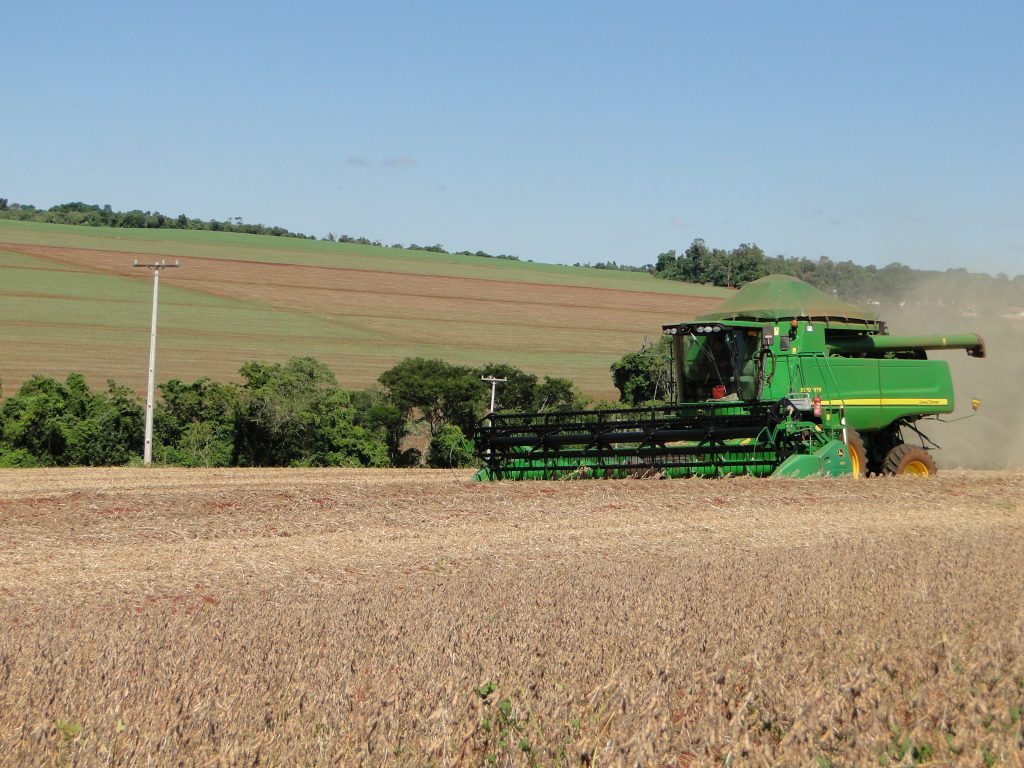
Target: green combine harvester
pixel 780 380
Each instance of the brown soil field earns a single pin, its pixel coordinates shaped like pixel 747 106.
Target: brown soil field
pixel 341 617
pixel 359 321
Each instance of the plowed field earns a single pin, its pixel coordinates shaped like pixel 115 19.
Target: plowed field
pixel 340 617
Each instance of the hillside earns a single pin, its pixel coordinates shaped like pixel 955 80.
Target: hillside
pixel 71 300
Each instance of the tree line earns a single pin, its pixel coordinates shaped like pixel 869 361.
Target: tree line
pixel 330 237
pixel 894 282
pixel 290 414
pixel 83 214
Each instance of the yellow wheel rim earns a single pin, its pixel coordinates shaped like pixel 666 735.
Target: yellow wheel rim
pixel 916 468
pixel 854 460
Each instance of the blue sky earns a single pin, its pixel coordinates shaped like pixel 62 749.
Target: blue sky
pixel 876 132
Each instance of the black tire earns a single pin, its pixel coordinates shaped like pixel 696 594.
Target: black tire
pixel 879 444
pixel 858 454
pixel 909 460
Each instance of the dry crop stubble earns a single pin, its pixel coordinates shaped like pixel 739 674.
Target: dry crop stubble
pixel 413 618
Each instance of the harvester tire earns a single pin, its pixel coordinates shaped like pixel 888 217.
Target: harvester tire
pixel 909 460
pixel 858 454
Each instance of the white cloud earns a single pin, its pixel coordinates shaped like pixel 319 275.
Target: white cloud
pixel 399 161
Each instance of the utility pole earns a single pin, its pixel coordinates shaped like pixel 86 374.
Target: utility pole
pixel 494 381
pixel 155 267
pixel 494 387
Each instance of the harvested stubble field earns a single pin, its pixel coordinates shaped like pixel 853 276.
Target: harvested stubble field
pixel 386 618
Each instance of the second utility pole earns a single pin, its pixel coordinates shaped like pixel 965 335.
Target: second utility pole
pixel 494 386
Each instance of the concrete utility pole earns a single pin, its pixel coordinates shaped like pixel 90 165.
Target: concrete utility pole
pixel 155 267
pixel 494 387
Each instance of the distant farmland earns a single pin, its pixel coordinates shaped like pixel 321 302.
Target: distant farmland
pixel 70 300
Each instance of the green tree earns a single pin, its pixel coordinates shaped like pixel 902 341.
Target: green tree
pixel 108 431
pixel 523 391
pixel 518 393
pixel 195 424
pixel 374 412
pixel 200 444
pixel 440 393
pixel 135 219
pixel 295 414
pixel 667 265
pixel 695 263
pixel 715 266
pixel 450 448
pixel 559 394
pixel 748 264
pixel 65 424
pixel 643 376
pixel 32 420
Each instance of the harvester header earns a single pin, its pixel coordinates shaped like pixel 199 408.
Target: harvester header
pixel 780 379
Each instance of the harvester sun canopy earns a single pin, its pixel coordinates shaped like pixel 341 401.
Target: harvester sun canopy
pixel 780 297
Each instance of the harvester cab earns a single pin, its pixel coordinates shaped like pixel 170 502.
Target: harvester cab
pixel 779 380
pixel 718 360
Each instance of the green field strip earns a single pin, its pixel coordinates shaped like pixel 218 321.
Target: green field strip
pixel 47 279
pixel 495 330
pixel 281 250
pixel 239 323
pixel 31 297
pixel 10 259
